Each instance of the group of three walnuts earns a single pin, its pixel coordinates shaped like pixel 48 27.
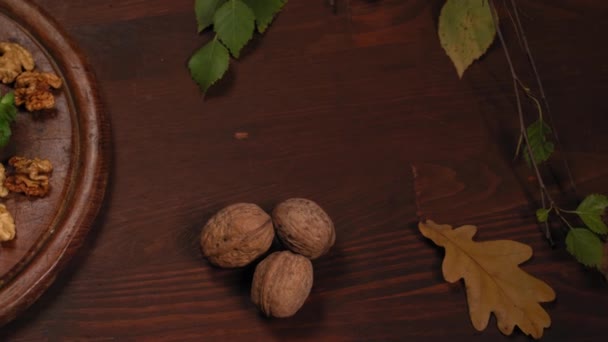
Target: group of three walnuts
pixel 241 233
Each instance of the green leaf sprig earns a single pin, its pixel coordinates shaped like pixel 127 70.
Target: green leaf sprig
pixel 466 29
pixel 8 113
pixel 234 23
pixel 584 243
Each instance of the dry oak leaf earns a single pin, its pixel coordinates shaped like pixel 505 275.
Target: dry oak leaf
pixel 493 280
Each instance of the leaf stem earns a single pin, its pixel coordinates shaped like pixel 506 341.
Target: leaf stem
pixel 558 212
pixel 546 223
pixel 521 34
pixel 522 124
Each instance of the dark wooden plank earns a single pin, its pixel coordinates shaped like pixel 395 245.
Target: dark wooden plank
pixel 340 109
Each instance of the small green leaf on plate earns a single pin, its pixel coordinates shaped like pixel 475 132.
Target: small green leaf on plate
pixel 8 113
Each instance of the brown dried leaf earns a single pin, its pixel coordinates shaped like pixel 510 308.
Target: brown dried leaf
pixel 493 280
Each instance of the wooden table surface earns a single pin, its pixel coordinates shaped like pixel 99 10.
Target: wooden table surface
pixel 344 109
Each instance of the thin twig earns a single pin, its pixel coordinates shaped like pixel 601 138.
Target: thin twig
pixel 516 27
pixel 332 4
pixel 559 214
pixel 548 236
pixel 522 124
pixel 524 39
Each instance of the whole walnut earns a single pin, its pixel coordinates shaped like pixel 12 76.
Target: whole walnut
pixel 281 284
pixel 237 235
pixel 304 227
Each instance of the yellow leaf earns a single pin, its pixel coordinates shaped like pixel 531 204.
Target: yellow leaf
pixel 493 280
pixel 466 31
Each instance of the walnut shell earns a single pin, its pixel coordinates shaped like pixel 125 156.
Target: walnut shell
pixel 304 227
pixel 281 284
pixel 237 235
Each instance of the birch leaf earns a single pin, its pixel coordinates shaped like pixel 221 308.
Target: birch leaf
pixel 234 23
pixel 591 210
pixel 204 10
pixel 585 246
pixel 209 64
pixel 466 31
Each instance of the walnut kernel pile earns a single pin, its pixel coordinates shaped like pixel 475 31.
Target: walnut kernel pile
pixel 14 59
pixel 7 224
pixel 30 176
pixel 242 232
pixel 32 88
pixel 3 190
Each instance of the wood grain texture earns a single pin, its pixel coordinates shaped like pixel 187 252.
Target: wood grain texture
pixel 340 109
pixel 74 138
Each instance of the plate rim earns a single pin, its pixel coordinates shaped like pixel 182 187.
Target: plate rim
pixel 92 171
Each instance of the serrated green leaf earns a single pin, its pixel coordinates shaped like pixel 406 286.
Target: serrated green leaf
pixel 542 215
pixel 265 11
pixel 209 64
pixel 466 31
pixel 204 10
pixel 540 145
pixel 591 210
pixel 585 246
pixel 234 23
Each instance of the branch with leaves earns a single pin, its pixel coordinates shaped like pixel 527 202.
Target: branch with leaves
pixel 467 28
pixel 234 23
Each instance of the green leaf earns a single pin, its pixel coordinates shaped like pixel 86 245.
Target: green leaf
pixel 585 246
pixel 5 134
pixel 540 145
pixel 466 31
pixel 542 215
pixel 265 11
pixel 234 23
pixel 205 9
pixel 591 210
pixel 209 64
pixel 8 113
pixel 8 99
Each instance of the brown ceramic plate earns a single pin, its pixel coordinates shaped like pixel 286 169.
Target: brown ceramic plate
pixel 75 139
